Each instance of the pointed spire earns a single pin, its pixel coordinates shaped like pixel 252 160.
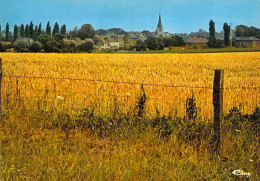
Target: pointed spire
pixel 160 21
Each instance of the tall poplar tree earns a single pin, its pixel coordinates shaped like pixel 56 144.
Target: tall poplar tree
pixel 22 30
pixel 48 28
pixel 15 32
pixel 35 35
pixel 56 29
pixel 40 29
pixel 63 29
pixel 212 35
pixel 226 29
pixel 7 32
pixel 27 31
pixel 31 29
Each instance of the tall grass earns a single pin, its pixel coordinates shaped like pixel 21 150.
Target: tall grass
pixel 36 145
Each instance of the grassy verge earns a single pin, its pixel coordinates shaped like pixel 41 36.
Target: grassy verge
pixel 183 51
pixel 39 145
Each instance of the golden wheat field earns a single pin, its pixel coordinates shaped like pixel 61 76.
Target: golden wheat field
pixel 99 79
pixel 36 88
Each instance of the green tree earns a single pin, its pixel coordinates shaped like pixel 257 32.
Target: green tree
pixel 40 29
pixel 43 38
pixel 15 32
pixel 226 29
pixel 86 47
pixel 140 46
pixel 152 43
pixel 56 29
pixel 160 43
pixel 63 30
pixel 58 36
pixel 35 47
pixel 31 29
pixel 51 46
pixel 0 33
pixel 35 35
pixel 71 47
pixel 86 31
pixel 22 30
pixel 7 32
pixel 212 35
pixel 179 40
pixel 244 31
pixel 27 31
pixel 48 29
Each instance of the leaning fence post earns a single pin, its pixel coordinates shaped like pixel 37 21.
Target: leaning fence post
pixel 218 108
pixel 1 74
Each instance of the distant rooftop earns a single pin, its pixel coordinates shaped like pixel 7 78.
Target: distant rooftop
pixel 132 35
pixel 246 39
pixel 196 40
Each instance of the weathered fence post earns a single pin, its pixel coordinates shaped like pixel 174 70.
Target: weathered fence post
pixel 218 108
pixel 1 74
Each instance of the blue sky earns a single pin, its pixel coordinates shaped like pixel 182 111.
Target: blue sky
pixel 178 16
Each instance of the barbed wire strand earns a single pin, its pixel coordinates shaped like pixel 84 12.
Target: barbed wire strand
pixel 123 82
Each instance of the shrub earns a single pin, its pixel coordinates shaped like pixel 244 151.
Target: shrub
pixel 35 47
pixel 191 108
pixel 220 44
pixel 51 46
pixel 43 38
pixel 58 36
pixel 140 46
pixel 152 43
pixel 86 47
pixel 20 46
pixel 160 43
pixel 140 106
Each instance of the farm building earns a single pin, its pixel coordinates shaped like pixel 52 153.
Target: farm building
pixel 131 39
pixel 247 42
pixel 26 40
pixel 196 42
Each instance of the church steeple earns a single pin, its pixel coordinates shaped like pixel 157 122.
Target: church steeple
pixel 159 29
pixel 159 22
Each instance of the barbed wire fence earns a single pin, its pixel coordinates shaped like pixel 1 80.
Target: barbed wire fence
pixel 169 94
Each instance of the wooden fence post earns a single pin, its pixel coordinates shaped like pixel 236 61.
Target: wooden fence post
pixel 1 74
pixel 218 108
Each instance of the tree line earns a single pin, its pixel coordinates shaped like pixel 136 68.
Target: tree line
pixel 159 43
pixel 30 31
pixel 48 39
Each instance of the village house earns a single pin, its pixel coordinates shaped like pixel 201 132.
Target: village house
pixel 196 42
pixel 130 39
pixel 247 42
pixel 120 39
pixel 26 40
pixel 113 43
pixel 101 42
